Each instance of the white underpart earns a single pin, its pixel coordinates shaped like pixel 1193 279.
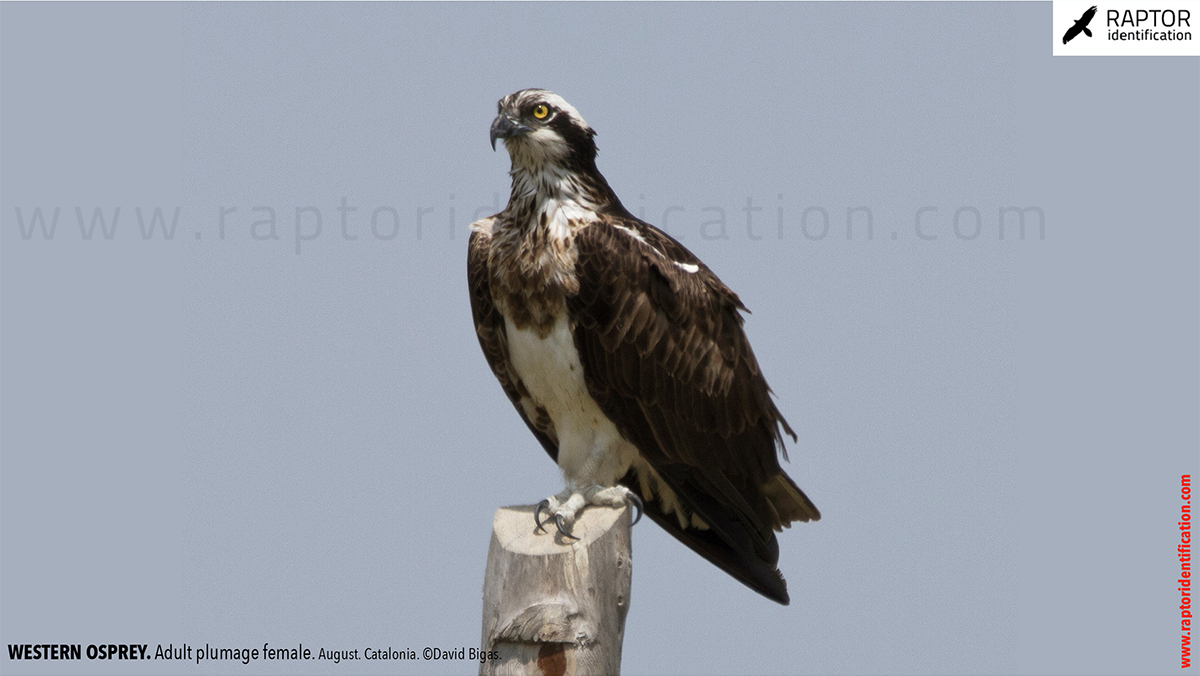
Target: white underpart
pixel 591 452
pixel 590 449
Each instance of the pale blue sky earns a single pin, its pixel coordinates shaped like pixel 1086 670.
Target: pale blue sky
pixel 289 436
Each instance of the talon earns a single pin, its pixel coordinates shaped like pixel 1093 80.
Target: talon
pixel 537 514
pixel 639 507
pixel 562 527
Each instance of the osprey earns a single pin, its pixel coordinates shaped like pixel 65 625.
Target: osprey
pixel 625 355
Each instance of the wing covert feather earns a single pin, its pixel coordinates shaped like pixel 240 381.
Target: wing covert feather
pixel 667 360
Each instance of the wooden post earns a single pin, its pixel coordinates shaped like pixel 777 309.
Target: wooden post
pixel 554 606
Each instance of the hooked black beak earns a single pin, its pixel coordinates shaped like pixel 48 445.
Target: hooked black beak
pixel 504 127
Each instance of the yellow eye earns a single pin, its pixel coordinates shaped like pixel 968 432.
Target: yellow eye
pixel 540 111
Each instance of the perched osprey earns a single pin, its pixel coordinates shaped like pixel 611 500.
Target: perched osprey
pixel 625 355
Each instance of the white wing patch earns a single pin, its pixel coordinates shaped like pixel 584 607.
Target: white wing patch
pixel 686 267
pixel 638 236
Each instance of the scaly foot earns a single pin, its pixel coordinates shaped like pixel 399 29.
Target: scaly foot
pixel 565 506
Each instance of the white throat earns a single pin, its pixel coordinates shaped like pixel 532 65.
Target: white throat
pixel 551 191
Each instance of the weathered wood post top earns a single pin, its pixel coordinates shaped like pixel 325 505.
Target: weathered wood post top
pixel 553 605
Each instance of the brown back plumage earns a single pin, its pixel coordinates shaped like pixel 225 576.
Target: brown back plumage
pixel 663 352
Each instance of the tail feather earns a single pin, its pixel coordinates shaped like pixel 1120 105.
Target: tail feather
pixel 790 503
pixel 744 552
pixel 751 571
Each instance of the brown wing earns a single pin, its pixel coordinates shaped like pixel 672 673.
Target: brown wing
pixel 489 328
pixel 665 356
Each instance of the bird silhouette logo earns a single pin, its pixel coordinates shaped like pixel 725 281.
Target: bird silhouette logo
pixel 1081 26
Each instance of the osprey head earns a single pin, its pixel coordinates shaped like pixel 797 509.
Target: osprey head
pixel 539 127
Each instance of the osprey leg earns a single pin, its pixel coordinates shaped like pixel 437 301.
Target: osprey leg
pixel 565 506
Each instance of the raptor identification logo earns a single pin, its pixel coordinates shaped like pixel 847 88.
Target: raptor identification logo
pixel 1126 28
